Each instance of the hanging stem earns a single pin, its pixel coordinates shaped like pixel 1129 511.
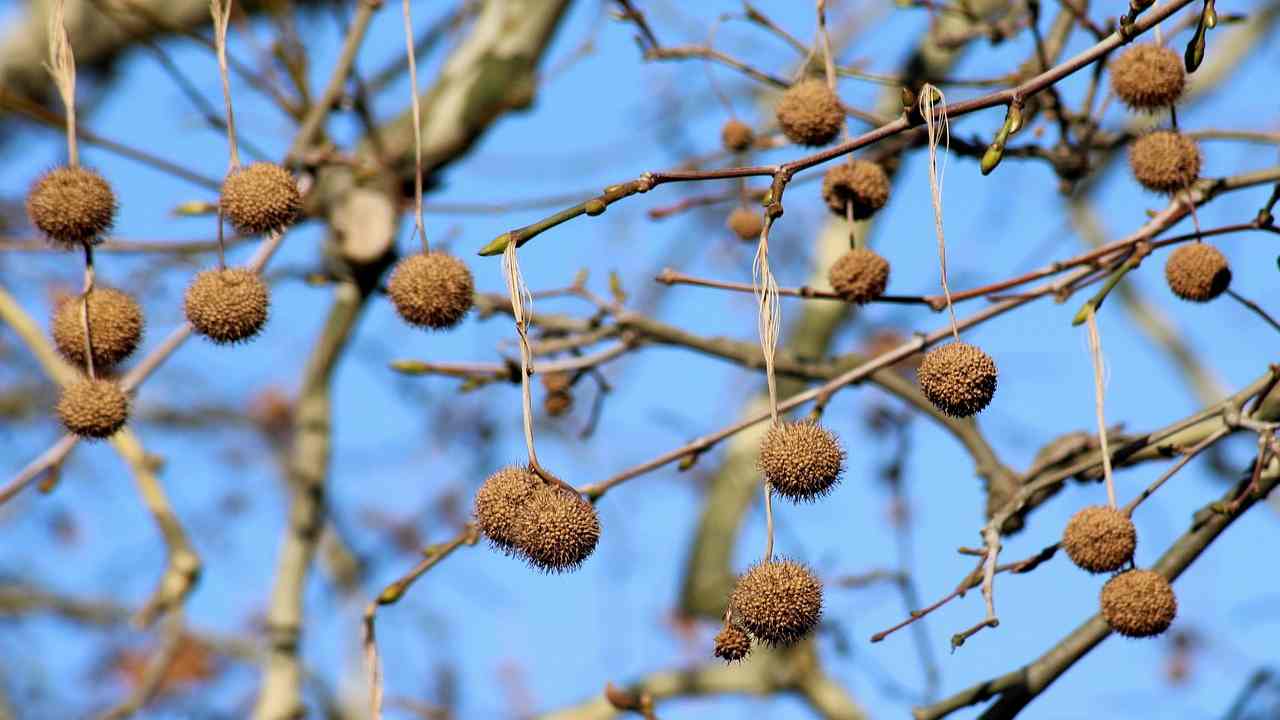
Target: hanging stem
pixel 938 131
pixel 221 12
pixel 768 522
pixel 62 66
pixel 415 104
pixel 1095 350
pixel 84 310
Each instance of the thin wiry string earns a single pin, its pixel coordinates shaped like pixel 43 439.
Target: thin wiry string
pixel 417 130
pixel 1095 350
pixel 62 66
pixel 521 306
pixel 938 132
pixel 221 12
pixel 765 287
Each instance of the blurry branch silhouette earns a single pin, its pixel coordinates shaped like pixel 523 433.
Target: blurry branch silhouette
pixel 154 674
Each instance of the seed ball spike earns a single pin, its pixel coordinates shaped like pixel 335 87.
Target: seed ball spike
pixel 859 276
pixel 500 503
pixel 801 460
pixel 431 290
pixel 737 136
pixel 93 409
pixel 1139 603
pixel 958 378
pixel 732 643
pixel 746 223
pixel 809 113
pixel 260 197
pixel 1148 77
pixel 72 206
pixel 1197 272
pixel 778 602
pixel 1165 161
pixel 115 325
pixel 558 529
pixel 1100 539
pixel 227 306
pixel 864 185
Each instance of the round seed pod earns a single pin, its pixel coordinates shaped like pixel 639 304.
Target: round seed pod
pixel 227 306
pixel 558 529
pixel 115 325
pixel 737 136
pixel 93 409
pixel 260 197
pixel 72 205
pixel 1197 272
pixel 557 402
pixel 500 503
pixel 1139 603
pixel 732 643
pixel 746 223
pixel 809 113
pixel 958 378
pixel 432 290
pixel 1100 539
pixel 1148 76
pixel 801 460
pixel 859 276
pixel 863 184
pixel 778 602
pixel 558 381
pixel 1165 161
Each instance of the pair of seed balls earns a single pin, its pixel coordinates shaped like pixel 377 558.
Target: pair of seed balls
pixel 1148 77
pixel 96 409
pixel 547 524
pixel 777 602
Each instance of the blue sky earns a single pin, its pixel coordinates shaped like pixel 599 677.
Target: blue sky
pixel 600 119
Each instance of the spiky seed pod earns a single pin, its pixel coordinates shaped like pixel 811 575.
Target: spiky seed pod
pixel 1100 539
pixel 737 136
pixel 500 504
pixel 732 643
pixel 809 113
pixel 778 602
pixel 859 276
pixel 558 402
pixel 1165 161
pixel 558 529
pixel 93 409
pixel 864 185
pixel 1197 272
pixel 227 306
pixel 260 197
pixel 115 325
pixel 72 205
pixel 1139 603
pixel 746 223
pixel 958 378
pixel 801 460
pixel 1148 76
pixel 432 290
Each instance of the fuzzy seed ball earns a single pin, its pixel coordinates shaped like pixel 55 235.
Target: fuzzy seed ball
pixel 859 276
pixel 864 185
pixel 1165 161
pixel 72 205
pixel 115 326
pixel 958 378
pixel 1197 272
pixel 558 403
pixel 778 602
pixel 732 643
pixel 227 306
pixel 432 290
pixel 810 113
pixel 1148 76
pixel 737 136
pixel 93 409
pixel 558 529
pixel 801 460
pixel 500 503
pixel 746 223
pixel 261 197
pixel 558 381
pixel 1139 603
pixel 1100 539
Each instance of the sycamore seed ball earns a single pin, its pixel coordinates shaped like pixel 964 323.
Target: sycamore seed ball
pixel 737 136
pixel 115 326
pixel 810 113
pixel 1100 539
pixel 732 643
pixel 93 409
pixel 801 460
pixel 558 529
pixel 1139 603
pixel 1197 272
pixel 864 185
pixel 431 290
pixel 72 205
pixel 746 223
pixel 778 602
pixel 859 276
pixel 227 306
pixel 1165 161
pixel 958 378
pixel 261 197
pixel 1148 76
pixel 557 403
pixel 500 503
